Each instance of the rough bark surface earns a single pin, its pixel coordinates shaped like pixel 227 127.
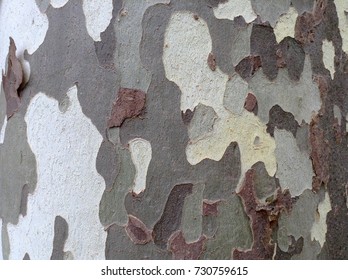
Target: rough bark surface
pixel 174 129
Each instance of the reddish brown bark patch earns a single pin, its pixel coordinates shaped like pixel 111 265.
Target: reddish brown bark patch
pixel 212 62
pixel 185 251
pixel 251 103
pixel 304 28
pixel 129 103
pixel 319 10
pixel 263 217
pixel 137 231
pixel 12 81
pixel 320 155
pixel 247 67
pixel 210 208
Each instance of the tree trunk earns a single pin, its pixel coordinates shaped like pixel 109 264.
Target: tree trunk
pixel 174 129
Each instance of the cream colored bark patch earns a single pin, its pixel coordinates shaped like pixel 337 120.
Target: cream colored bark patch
pixel 235 8
pixel 294 167
pixel 342 13
pixel 141 153
pixel 23 21
pixel 98 16
pixel 286 25
pixel 329 56
pixel 242 129
pixel 68 185
pixel 319 229
pixel 186 49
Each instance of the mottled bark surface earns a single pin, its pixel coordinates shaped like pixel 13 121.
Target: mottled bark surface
pixel 174 129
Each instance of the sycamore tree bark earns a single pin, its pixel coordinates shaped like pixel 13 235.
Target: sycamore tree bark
pixel 173 129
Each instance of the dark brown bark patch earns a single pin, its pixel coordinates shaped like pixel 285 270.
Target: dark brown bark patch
pixel 320 154
pixel 185 251
pixel 263 43
pixel 247 67
pixel 171 217
pixel 212 62
pixel 137 231
pixel 290 54
pixel 12 81
pixel 187 116
pixel 282 120
pixel 129 103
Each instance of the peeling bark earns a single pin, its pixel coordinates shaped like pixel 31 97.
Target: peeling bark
pixel 129 103
pixel 12 80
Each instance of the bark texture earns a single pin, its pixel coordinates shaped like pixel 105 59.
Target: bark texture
pixel 174 129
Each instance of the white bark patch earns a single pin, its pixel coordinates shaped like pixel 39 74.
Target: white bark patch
pixel 337 113
pixel 329 56
pixel 2 131
pixel 58 3
pixel 187 45
pixel 286 25
pixel 234 8
pixel 186 49
pixel 294 167
pixel 98 16
pixel 141 153
pixel 319 229
pixel 22 21
pixel 65 146
pixel 342 13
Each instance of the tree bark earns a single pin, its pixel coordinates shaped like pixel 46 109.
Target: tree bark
pixel 174 129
